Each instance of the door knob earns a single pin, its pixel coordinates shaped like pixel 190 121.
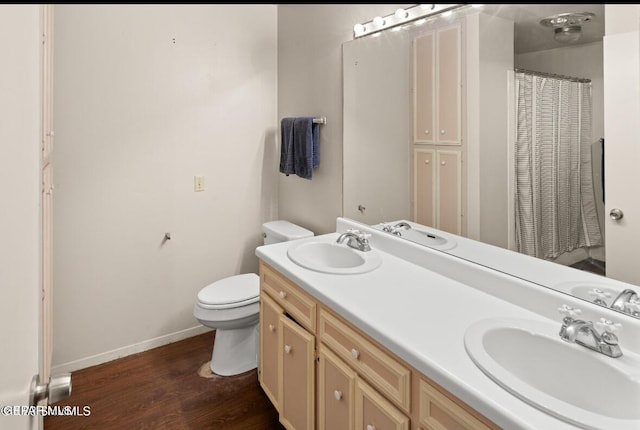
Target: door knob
pixel 616 214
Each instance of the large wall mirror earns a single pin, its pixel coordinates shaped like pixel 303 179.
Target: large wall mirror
pixel 386 146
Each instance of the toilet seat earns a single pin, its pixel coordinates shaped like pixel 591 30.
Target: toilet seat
pixel 232 292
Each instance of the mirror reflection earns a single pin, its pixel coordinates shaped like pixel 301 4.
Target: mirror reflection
pixel 486 125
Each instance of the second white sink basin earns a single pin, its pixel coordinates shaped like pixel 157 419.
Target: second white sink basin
pixel 568 381
pixel 327 256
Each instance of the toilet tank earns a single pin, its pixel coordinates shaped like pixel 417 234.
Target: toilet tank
pixel 283 231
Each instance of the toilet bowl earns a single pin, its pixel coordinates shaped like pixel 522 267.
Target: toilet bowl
pixel 231 306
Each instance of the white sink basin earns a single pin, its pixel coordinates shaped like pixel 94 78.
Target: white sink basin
pixel 568 381
pixel 327 256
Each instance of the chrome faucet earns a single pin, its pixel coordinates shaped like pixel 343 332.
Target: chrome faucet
pixel 387 228
pixel 403 224
pixel 357 240
pixel 627 302
pixel 583 333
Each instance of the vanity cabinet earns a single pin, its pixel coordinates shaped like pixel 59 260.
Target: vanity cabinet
pixel 361 385
pixel 287 349
pixel 439 412
pixel 336 392
pixel 437 73
pixel 438 188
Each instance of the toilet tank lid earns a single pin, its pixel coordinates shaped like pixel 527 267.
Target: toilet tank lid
pixel 234 289
pixel 285 230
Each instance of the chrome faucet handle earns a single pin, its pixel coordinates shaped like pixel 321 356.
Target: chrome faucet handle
pixel 569 311
pixel 633 306
pixel 608 326
pixel 599 296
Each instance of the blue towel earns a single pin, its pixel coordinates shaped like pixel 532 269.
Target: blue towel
pixel 286 146
pixel 299 151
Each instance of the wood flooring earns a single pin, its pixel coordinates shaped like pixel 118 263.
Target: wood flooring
pixel 163 389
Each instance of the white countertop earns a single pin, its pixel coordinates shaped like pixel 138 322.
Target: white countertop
pixel 422 317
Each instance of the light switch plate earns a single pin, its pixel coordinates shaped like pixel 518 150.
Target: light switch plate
pixel 198 183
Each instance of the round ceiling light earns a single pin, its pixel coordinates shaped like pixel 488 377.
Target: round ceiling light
pixel 567 26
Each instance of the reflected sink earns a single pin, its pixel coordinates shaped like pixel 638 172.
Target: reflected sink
pixel 330 257
pixel 429 238
pixel 568 381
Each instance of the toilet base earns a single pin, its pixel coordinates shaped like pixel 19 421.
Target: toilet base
pixel 235 351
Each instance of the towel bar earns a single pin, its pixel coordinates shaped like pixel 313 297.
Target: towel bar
pixel 321 120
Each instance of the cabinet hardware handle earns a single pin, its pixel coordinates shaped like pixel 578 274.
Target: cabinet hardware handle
pixel 426 161
pixel 442 163
pixel 337 394
pixel 355 353
pixel 272 327
pixel 442 131
pixel 283 294
pixel 616 214
pixel 426 132
pixel 287 349
pixel 371 427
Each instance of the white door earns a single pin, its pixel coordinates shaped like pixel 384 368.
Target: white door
pixel 25 176
pixel 622 154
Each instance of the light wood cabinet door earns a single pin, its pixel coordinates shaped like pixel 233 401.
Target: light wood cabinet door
pixel 336 390
pixel 268 368
pixel 374 412
pixel 449 191
pixel 448 89
pixel 297 372
pixel 424 89
pixel 425 186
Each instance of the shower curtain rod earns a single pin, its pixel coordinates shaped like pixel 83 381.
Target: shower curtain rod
pixel 551 75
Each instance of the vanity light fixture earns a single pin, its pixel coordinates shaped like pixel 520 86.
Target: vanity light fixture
pixel 402 16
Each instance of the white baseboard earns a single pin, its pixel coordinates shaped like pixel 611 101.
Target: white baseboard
pixel 128 350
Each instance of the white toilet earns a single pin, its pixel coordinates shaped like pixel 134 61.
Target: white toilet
pixel 231 306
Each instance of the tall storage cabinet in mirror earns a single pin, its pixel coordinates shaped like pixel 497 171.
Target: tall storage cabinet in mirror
pixel 438 144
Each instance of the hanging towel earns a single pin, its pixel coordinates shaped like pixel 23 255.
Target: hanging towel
pixel 299 152
pixel 286 146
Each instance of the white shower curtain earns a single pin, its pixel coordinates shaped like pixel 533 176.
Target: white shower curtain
pixel 554 200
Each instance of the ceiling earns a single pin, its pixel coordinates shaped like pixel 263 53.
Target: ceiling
pixel 530 35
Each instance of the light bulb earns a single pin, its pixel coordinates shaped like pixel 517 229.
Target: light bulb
pixel 379 21
pixel 359 28
pixel 569 34
pixel 401 14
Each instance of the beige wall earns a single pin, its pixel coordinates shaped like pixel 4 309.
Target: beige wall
pixel 310 41
pixel 19 217
pixel 146 97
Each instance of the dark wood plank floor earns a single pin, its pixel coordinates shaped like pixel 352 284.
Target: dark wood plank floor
pixel 162 389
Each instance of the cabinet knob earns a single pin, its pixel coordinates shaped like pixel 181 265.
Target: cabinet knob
pixel 272 327
pixel 616 214
pixel 426 161
pixel 426 132
pixel 337 394
pixel 442 163
pixel 442 131
pixel 371 427
pixel 355 354
pixel 287 349
pixel 283 294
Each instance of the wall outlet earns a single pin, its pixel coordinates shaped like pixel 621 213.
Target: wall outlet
pixel 198 183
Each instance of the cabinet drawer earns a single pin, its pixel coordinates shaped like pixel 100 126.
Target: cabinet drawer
pixel 375 412
pixel 438 412
pixel 293 300
pixel 379 368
